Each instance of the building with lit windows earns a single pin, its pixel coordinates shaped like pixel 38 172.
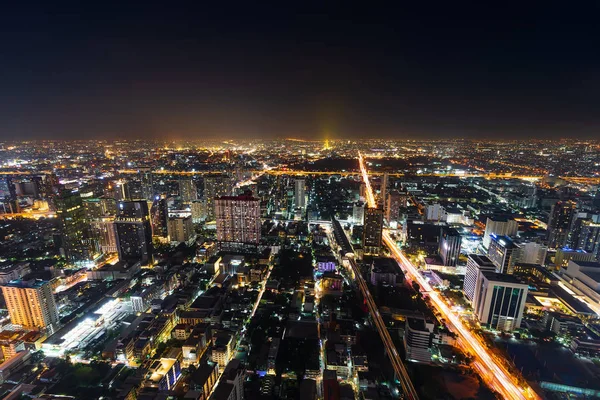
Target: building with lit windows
pixel 476 264
pixel 215 186
pixel 504 253
pixel 160 215
pixel 31 304
pixel 181 230
pixel 449 249
pixel 134 232
pixel 373 229
pixel 499 226
pixel 238 219
pixel 559 224
pixel 500 301
pixel 76 243
pixel 187 190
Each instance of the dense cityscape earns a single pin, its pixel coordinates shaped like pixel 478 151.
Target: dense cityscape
pixel 300 269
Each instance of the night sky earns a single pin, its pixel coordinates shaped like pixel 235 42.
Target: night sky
pixel 152 71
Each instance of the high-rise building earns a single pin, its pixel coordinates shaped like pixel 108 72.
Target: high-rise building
pixel 449 248
pixel 76 244
pixel 358 213
pixel 215 186
pixel 147 183
pixel 300 194
pixel 418 339
pixel 238 219
pixel 159 216
pixel 383 191
pixel 561 217
pixel 585 235
pixel 476 264
pixel 181 230
pixel 31 304
pixel 122 190
pixel 504 253
pixel 231 384
pixel 134 232
pixel 533 253
pixel 373 230
pixel 501 301
pixel 187 190
pixel 395 201
pixel 198 208
pixel 103 230
pixel 499 226
pixel 436 212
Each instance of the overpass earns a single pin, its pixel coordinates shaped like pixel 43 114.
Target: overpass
pixel 399 369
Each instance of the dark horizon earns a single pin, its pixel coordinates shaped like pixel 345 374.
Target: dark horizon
pixel 144 71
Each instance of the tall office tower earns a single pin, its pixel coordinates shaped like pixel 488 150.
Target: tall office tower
pixel 147 183
pixel 215 186
pixel 383 191
pixel 103 231
pixel 358 213
pixel 533 253
pixel 588 237
pixel 418 333
pixel 395 201
pixel 122 190
pixel 501 301
pixel 561 217
pixel 238 219
pixel 31 304
pixel 436 212
pixel 372 230
pixel 499 226
pixel 231 384
pixel 504 253
pixel 449 247
pixel 187 190
pixel 181 230
pixel 300 194
pixel 76 246
pixel 134 233
pixel 476 264
pixel 159 216
pixel 363 191
pixel 198 208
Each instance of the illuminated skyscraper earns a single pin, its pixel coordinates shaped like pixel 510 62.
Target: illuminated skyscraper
pixel 476 264
pixel 159 214
pixel 499 226
pixel 504 253
pixel 561 217
pixel 215 186
pixel 187 190
pixel 134 232
pixel 31 304
pixel 501 301
pixel 373 230
pixel 300 194
pixel 238 219
pixel 449 247
pixel 76 244
pixel 181 229
pixel 147 183
pixel 383 191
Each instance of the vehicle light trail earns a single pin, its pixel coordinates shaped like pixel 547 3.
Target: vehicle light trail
pixel 489 368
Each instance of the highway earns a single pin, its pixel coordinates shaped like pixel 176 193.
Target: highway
pixel 399 368
pixel 487 365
